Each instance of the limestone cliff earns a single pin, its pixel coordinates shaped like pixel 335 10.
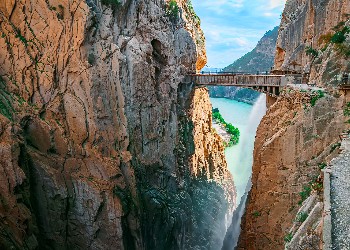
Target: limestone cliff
pixel 301 130
pixel 303 24
pixel 292 139
pixel 97 145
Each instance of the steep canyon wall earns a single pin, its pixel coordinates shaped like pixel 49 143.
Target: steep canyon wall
pixel 301 130
pixel 98 147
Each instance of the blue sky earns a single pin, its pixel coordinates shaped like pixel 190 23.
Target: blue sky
pixel 233 27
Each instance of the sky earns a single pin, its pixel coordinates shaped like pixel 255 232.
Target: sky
pixel 233 27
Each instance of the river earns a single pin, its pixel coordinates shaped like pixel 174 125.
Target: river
pixel 240 157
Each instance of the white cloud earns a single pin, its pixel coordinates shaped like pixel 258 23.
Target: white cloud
pixel 220 6
pixel 233 27
pixel 274 4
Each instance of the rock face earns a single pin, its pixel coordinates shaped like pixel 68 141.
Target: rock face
pixel 292 139
pixel 303 23
pixel 295 137
pixel 97 146
pixel 260 59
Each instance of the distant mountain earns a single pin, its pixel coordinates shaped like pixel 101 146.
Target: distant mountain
pixel 261 59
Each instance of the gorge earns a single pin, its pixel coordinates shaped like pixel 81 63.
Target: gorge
pixel 104 144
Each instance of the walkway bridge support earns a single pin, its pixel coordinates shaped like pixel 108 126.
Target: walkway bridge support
pixel 271 85
pixel 268 84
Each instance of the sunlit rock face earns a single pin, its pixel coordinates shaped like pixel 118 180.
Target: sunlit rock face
pixel 292 139
pixel 302 25
pixel 97 132
pixel 297 134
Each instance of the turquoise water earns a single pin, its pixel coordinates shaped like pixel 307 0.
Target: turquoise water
pixel 247 118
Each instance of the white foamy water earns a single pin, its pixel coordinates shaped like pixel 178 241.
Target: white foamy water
pixel 240 157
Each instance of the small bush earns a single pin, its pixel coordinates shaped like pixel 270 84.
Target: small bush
pixel 21 37
pixel 305 193
pixel 335 146
pixel 322 165
pixel 311 51
pixel 112 3
pixel 232 130
pixel 316 95
pixel 173 10
pixel 193 13
pixel 301 217
pixel 288 237
pixel 339 26
pixel 91 59
pixel 256 214
pixel 338 37
pixel 60 13
pixel 347 109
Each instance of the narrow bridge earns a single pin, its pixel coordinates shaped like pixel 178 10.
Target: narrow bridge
pixel 269 84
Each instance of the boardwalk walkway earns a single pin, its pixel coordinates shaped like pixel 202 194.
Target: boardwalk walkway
pixel 269 84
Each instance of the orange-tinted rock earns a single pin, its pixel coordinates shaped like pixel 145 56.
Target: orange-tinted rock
pixel 97 109
pixel 291 140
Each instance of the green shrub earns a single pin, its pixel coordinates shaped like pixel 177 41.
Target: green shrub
pixel 339 26
pixel 338 37
pixel 193 13
pixel 256 214
pixel 232 130
pixel 288 237
pixel 305 193
pixel 347 111
pixel 301 217
pixel 173 10
pixel 91 59
pixel 21 37
pixel 112 3
pixel 316 95
pixel 322 165
pixel 311 51
pixel 335 146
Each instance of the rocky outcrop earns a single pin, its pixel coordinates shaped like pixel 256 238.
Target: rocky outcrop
pixel 97 148
pixel 292 140
pixel 303 23
pixel 209 147
pixel 301 130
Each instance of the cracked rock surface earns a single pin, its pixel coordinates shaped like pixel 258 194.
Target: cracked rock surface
pixel 97 132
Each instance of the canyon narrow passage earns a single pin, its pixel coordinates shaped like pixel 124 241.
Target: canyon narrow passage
pixel 239 157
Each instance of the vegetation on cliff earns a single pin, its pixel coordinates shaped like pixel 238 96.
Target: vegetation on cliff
pixel 347 111
pixel 336 38
pixel 173 10
pixel 232 130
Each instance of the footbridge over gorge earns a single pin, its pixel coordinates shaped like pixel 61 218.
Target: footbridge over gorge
pixel 269 84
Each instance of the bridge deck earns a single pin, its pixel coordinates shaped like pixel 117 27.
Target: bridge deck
pixel 238 80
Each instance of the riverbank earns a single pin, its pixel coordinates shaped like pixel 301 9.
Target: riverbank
pixel 221 131
pixel 223 126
